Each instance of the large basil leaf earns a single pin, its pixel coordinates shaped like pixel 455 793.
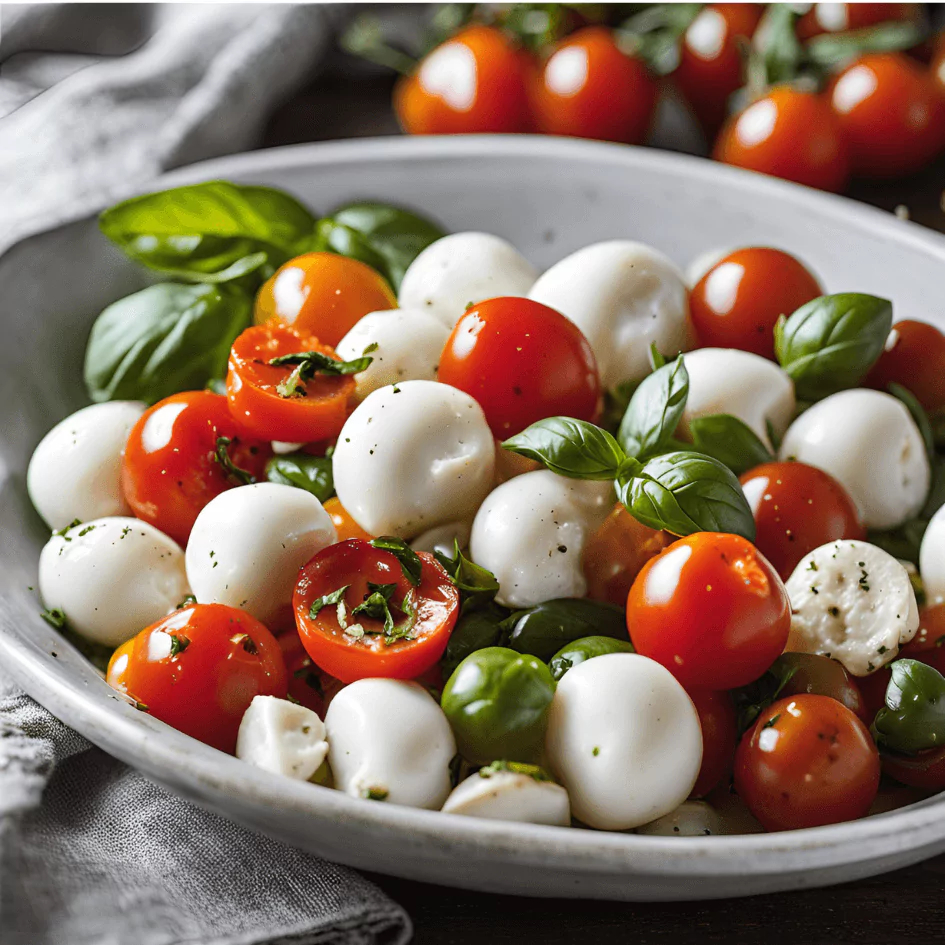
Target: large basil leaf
pixel 162 340
pixel 474 630
pixel 833 51
pixel 730 441
pixel 913 718
pixel 831 342
pixel 544 629
pixel 477 585
pixel 572 448
pixel 654 410
pixel 311 473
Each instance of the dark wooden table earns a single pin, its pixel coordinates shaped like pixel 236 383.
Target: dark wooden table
pixel 897 909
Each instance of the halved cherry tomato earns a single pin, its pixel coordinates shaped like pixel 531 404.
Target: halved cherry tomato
pixel 737 302
pixel 199 668
pixel 841 17
pixel 522 361
pixel 172 464
pixel 474 83
pixel 322 294
pixel 314 409
pixel 360 648
pixel 345 525
pixel 806 762
pixel 719 738
pixel 589 88
pixel 915 358
pixel 307 683
pixel 790 134
pixel 797 508
pixel 711 609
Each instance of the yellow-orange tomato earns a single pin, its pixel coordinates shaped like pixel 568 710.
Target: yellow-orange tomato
pixel 345 525
pixel 322 294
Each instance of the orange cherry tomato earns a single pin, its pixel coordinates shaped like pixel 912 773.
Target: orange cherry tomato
pixel 474 83
pixel 797 508
pixel 355 565
pixel 841 17
pixel 719 738
pixel 711 609
pixel 790 134
pixel 890 114
pixel 737 302
pixel 806 762
pixel 322 294
pixel 522 361
pixel 345 525
pixel 915 358
pixel 199 668
pixel 171 468
pixel 307 684
pixel 588 88
pixel 315 408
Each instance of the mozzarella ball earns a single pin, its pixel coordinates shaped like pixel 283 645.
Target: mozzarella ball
pixel 112 577
pixel 625 297
pixel 507 795
pixel 408 342
pixel 531 531
pixel 932 558
pixel 463 269
pixel 389 740
pixel 745 385
pixel 853 602
pixel 624 739
pixel 690 819
pixel 443 538
pixel 869 443
pixel 282 737
pixel 248 543
pixel 413 456
pixel 75 472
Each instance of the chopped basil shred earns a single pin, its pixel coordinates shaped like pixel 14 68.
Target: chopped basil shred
pixel 328 600
pixel 308 364
pixel 410 562
pixel 234 473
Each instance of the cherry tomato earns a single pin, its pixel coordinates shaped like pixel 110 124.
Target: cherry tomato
pixel 719 738
pixel 474 83
pixel 822 676
pixel 806 762
pixel 928 645
pixel 308 685
pixel 915 358
pixel 841 17
pixel 889 113
pixel 926 769
pixel 797 508
pixel 199 668
pixel 322 294
pixel 351 566
pixel 345 525
pixel 172 465
pixel 737 302
pixel 937 68
pixel 588 88
pixel 787 133
pixel 522 361
pixel 873 690
pixel 711 609
pixel 312 409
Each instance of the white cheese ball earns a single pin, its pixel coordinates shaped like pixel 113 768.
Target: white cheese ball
pixel 744 385
pixel 932 558
pixel 75 472
pixel 464 268
pixel 624 739
pixel 853 602
pixel 282 737
pixel 413 456
pixel 625 297
pixel 248 543
pixel 112 577
pixel 409 344
pixel 531 531
pixel 507 795
pixel 690 819
pixel 869 443
pixel 443 538
pixel 390 741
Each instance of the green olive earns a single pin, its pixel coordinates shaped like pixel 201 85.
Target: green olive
pixel 586 648
pixel 544 629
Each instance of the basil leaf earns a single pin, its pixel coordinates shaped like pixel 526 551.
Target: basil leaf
pixel 833 51
pixel 477 586
pixel 235 474
pixel 686 492
pixel 655 34
pixel 751 700
pixel 730 441
pixel 913 718
pixel 572 448
pixel 474 630
pixel 831 342
pixel 780 55
pixel 544 629
pixel 162 340
pixel 410 562
pixel 236 270
pixel 311 473
pixel 918 414
pixel 903 542
pixel 328 600
pixel 655 410
pixel 308 364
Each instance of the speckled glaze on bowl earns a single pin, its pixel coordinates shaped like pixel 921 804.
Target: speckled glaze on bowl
pixel 549 197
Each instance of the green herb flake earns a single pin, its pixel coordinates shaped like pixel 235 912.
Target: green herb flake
pixel 179 643
pixel 327 600
pixel 308 364
pixel 54 617
pixel 772 721
pixel 409 560
pixel 515 767
pixel 375 794
pixel 236 475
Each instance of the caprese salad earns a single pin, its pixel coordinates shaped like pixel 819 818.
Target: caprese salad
pixel 611 545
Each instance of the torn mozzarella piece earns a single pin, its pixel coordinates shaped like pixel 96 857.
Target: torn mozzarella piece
pixel 507 795
pixel 690 819
pixel 932 558
pixel 282 737
pixel 282 448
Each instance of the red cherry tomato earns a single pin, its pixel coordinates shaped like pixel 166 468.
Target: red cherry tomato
pixel 787 133
pixel 172 469
pixel 711 609
pixel 873 690
pixel 588 88
pixel 353 565
pixel 890 114
pixel 308 685
pixel 522 362
pixel 199 668
pixel 719 738
pixel 926 769
pixel 915 358
pixel 937 68
pixel 806 762
pixel 474 83
pixel 841 17
pixel 737 302
pixel 797 508
pixel 822 676
pixel 928 645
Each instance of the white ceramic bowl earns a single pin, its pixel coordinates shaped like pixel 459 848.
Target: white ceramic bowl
pixel 549 197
